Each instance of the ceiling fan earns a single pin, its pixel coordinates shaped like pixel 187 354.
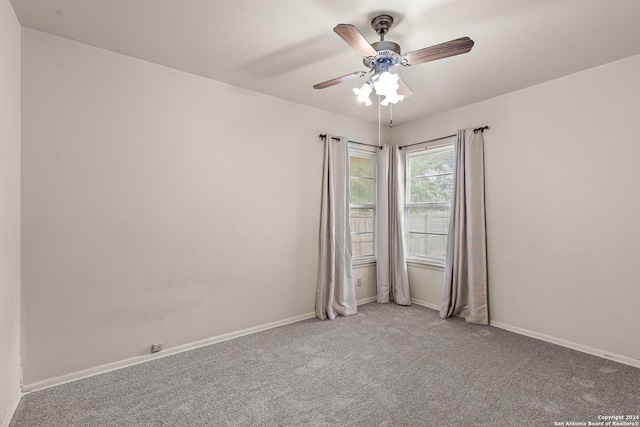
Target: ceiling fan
pixel 381 56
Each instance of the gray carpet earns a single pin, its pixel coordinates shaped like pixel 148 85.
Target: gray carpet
pixel 386 366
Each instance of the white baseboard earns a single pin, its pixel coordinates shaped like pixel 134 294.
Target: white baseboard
pixel 55 381
pixel 366 300
pixel 425 304
pixel 51 382
pixel 63 379
pixel 553 340
pixel 13 405
pixel 569 344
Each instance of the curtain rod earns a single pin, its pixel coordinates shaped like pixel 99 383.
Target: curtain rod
pixel 476 130
pixel 324 135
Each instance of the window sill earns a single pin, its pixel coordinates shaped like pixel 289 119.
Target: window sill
pixel 425 264
pixel 367 262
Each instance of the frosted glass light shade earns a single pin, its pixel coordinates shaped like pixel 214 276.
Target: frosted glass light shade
pixel 387 85
pixel 363 93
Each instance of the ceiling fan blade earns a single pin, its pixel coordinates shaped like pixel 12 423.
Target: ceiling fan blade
pixel 356 40
pixel 439 51
pixel 340 79
pixel 404 89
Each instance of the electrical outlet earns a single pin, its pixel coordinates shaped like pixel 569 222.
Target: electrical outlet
pixel 156 347
pixel 359 282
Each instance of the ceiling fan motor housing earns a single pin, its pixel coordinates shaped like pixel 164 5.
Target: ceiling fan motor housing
pixel 388 55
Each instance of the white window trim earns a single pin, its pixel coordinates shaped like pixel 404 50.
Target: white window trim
pixel 412 259
pixel 364 151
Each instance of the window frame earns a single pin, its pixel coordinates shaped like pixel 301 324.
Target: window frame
pixel 414 152
pixel 372 154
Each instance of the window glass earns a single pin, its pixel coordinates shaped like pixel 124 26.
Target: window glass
pixel 362 193
pixel 428 202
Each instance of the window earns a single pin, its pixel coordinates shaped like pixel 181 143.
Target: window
pixel 428 202
pixel 362 203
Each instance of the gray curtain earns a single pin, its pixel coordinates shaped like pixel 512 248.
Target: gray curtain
pixel 465 279
pixel 335 290
pixel 391 266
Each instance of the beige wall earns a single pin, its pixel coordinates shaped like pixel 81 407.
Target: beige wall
pixel 562 203
pixel 367 288
pixel 159 206
pixel 9 206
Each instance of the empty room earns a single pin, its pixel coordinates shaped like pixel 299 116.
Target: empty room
pixel 319 213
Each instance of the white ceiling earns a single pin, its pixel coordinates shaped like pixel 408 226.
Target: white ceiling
pixel 283 47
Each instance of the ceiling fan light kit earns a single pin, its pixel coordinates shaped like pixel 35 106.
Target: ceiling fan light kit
pixel 383 55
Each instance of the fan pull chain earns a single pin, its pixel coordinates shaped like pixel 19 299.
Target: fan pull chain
pixel 390 115
pixel 379 124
